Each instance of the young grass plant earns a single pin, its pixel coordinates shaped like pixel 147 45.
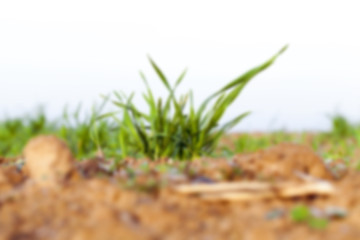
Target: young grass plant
pixel 85 135
pixel 173 127
pixel 302 214
pixel 341 127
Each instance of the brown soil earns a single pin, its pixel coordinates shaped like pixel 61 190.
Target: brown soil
pixel 157 200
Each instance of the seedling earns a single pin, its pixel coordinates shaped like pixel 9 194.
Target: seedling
pixel 302 214
pixel 173 127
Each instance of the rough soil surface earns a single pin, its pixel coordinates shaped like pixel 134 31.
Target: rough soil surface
pixel 141 198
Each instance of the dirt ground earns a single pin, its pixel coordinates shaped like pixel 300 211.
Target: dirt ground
pixel 245 197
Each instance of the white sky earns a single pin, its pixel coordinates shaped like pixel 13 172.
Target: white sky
pixel 70 51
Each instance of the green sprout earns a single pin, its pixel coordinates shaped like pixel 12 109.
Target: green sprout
pixel 173 127
pixel 302 214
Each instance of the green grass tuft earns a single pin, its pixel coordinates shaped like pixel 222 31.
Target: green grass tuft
pixel 173 127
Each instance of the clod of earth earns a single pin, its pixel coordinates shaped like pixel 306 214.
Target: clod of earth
pixel 48 160
pixel 283 162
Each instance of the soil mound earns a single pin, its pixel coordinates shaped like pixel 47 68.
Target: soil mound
pixel 285 161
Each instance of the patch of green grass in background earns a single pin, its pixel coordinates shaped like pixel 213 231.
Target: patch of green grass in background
pixel 341 127
pixel 15 132
pixel 247 142
pixel 85 136
pixel 340 142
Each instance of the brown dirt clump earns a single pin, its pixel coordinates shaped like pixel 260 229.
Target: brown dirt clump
pixel 141 200
pixel 48 160
pixel 283 161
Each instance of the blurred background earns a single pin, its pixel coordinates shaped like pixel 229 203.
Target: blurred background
pixel 57 53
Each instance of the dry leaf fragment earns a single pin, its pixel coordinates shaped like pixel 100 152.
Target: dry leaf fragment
pixel 249 191
pixel 238 196
pixel 309 188
pixel 221 187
